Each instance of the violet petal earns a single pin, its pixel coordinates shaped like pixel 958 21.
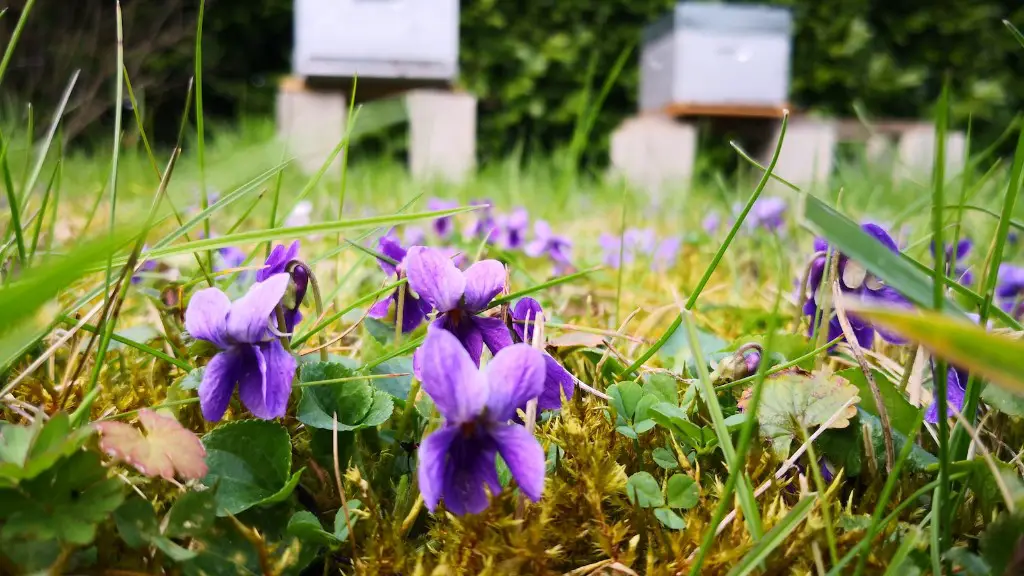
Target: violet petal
pixel 515 376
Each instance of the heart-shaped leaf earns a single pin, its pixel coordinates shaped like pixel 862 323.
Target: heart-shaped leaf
pixel 351 400
pixel 165 449
pixel 27 451
pixel 795 399
pixel 683 491
pixel 644 491
pixel 665 458
pixel 669 519
pixel 249 462
pixel 624 398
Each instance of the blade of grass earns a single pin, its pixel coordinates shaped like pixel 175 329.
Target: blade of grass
pixel 12 203
pixel 938 299
pixel 15 36
pixel 736 465
pixel 1016 33
pixel 256 236
pixel 692 300
pixel 344 167
pixel 775 537
pixel 42 212
pixel 133 344
pixel 204 201
pixel 45 149
pixel 744 491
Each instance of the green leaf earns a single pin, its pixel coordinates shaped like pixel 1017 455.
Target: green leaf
pixel 662 386
pixel 350 400
pixel 27 451
pixel 735 422
pixel 19 300
pixel 173 550
pixel 192 514
pixel 683 492
pixel 643 490
pixel 672 417
pixel 967 563
pixel 677 352
pixel 669 519
pixel 775 537
pixel 963 343
pixel 796 402
pixel 901 412
pixel 848 238
pixel 665 458
pixel 305 526
pixel 380 410
pixel 624 398
pixel 249 462
pixel 627 431
pixel 643 407
pixel 919 458
pixel 397 386
pixel 1004 401
pixel 136 522
pixel 643 426
pixel 1001 540
pixel 64 503
pixel 340 527
pixel 192 380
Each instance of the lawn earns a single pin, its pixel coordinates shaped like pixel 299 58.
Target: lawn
pixel 211 363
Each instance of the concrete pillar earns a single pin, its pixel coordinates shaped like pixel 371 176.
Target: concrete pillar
pixel 807 152
pixel 916 153
pixel 442 134
pixel 653 151
pixel 310 122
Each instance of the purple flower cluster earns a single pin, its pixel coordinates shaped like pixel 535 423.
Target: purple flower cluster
pixel 854 280
pixel 636 243
pixel 509 231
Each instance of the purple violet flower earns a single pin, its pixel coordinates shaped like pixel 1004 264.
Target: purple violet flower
pixel 854 280
pixel 413 236
pixel 641 241
pixel 611 251
pixel 513 228
pixel 277 263
pixel 557 379
pixel 443 226
pixel 251 356
pixel 414 310
pixel 459 297
pixel 458 461
pixel 229 257
pixel 667 253
pixel 767 213
pixel 147 266
pixel 1010 289
pixel 710 223
pixel 484 224
pixel 961 274
pixel 956 388
pixel 547 243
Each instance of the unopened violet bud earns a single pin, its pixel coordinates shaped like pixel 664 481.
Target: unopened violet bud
pixel 752 361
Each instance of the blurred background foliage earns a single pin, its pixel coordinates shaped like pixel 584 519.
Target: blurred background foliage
pixel 530 63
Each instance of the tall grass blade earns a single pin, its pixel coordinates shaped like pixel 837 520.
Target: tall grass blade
pixel 692 300
pixel 44 150
pixel 15 36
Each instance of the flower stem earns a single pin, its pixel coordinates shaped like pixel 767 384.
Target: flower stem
pixel 400 308
pixel 319 303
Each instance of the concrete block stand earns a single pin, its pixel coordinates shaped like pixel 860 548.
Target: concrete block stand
pixel 916 153
pixel 442 134
pixel 653 151
pixel 806 158
pixel 310 122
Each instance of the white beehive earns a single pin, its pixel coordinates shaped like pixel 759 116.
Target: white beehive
pixel 717 55
pixel 414 39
